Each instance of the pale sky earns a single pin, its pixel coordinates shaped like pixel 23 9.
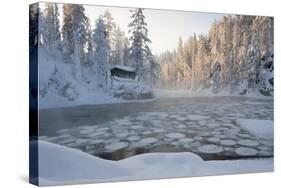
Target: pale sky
pixel 164 26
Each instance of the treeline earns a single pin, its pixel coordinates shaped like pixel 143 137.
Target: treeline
pixel 237 55
pixel 95 47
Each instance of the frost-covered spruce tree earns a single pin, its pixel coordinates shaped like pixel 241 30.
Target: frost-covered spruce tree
pixel 80 29
pixel 57 34
pixel 67 33
pixel 139 50
pixel 110 28
pixel 42 28
pixel 126 53
pixel 53 37
pixel 74 31
pixel 101 58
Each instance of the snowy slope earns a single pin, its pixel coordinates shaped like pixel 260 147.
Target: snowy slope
pixel 61 165
pixel 60 84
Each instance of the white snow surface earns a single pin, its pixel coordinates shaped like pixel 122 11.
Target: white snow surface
pixel 55 74
pixel 60 165
pixel 260 128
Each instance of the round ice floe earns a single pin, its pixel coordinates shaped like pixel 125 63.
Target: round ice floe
pixel 159 130
pixel 63 131
pixel 116 146
pixel 175 135
pixel 146 132
pixel 213 139
pixel 148 140
pixel 233 131
pixel 228 142
pixel 197 117
pixel 191 131
pixel 243 135
pixel 182 118
pixel 210 148
pixel 186 140
pixel 265 153
pixel 199 138
pixel 137 127
pixel 213 125
pixel 180 126
pixel 50 139
pixel 222 136
pixel 195 144
pixel 122 134
pixel 267 142
pixel 95 134
pixel 133 138
pixel 222 129
pixel 264 148
pixel 66 141
pixel 202 122
pixel 229 149
pixel 245 151
pixel 82 141
pixel 102 129
pixel 248 142
pixel 175 143
pixel 98 141
pixel 204 134
pixel 226 120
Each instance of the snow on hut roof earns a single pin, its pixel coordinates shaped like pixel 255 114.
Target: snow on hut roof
pixel 122 67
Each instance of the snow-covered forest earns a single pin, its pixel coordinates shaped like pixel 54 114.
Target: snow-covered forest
pixel 75 57
pixel 236 55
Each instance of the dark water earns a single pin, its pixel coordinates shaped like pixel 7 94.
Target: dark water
pixel 118 131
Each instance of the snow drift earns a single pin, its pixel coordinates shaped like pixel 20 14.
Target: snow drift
pixel 61 165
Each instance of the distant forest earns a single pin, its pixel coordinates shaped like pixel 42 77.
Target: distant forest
pixel 235 56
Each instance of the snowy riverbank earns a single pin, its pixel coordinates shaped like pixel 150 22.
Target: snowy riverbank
pixel 61 165
pixel 95 97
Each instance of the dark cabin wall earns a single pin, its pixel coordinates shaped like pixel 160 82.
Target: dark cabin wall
pixel 122 73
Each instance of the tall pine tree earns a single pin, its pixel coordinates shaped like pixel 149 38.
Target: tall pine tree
pixel 101 54
pixel 139 50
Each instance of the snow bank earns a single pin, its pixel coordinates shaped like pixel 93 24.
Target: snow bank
pixel 61 165
pixel 260 128
pixel 60 84
pixel 130 89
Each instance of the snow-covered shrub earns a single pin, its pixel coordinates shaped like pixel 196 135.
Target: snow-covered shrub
pixel 69 91
pixel 130 89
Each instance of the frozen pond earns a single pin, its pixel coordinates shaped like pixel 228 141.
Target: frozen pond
pixel 206 126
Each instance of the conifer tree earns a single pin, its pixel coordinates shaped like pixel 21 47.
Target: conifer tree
pixel 139 49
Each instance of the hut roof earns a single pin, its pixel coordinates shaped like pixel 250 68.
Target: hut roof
pixel 124 68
